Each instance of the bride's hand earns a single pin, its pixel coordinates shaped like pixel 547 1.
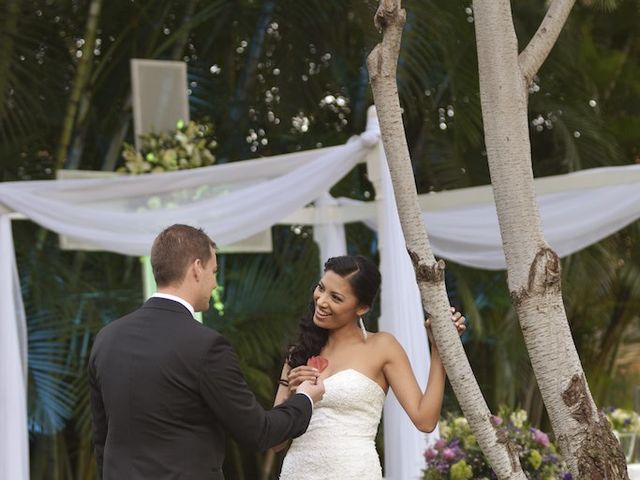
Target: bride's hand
pixel 299 374
pixel 457 319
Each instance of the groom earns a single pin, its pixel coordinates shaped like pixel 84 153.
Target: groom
pixel 165 389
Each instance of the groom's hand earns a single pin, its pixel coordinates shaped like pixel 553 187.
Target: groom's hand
pixel 314 390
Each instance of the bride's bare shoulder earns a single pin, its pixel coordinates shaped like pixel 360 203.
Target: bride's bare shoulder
pixel 383 339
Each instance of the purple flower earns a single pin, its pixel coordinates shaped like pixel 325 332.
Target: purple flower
pixel 440 443
pixel 430 454
pixel 567 476
pixel 540 437
pixel 449 454
pixel 496 420
pixel 550 458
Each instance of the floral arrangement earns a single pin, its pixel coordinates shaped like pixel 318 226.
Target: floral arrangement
pixel 457 455
pixel 623 421
pixel 190 145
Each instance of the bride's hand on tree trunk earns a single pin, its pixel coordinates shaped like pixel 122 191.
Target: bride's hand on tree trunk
pixel 456 318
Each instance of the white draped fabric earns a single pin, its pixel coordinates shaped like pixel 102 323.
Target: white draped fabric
pixel 14 441
pixel 328 234
pixel 571 221
pixel 231 202
pixel 402 315
pixel 234 201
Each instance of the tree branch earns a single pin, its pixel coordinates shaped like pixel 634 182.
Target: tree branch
pixel 534 55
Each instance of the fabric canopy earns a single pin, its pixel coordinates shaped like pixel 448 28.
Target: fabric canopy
pixel 235 201
pixel 231 202
pixel 571 221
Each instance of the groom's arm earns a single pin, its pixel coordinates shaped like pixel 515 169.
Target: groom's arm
pixel 98 415
pixel 226 392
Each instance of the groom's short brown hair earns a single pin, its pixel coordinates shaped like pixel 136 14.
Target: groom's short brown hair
pixel 174 249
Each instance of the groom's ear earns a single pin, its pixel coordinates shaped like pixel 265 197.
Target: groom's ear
pixel 195 268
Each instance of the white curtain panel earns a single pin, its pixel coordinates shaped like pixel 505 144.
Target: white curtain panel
pixel 401 315
pixel 329 235
pixel 14 441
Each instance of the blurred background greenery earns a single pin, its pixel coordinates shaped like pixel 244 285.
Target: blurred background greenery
pixel 275 76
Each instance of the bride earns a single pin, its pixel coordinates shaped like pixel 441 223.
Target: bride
pixel 339 442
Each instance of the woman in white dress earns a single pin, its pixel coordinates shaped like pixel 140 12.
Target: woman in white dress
pixel 339 443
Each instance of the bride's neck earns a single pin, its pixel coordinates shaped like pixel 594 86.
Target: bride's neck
pixel 347 334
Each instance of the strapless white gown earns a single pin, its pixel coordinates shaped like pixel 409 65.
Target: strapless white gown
pixel 340 441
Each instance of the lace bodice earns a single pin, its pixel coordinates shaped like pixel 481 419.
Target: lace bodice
pixel 339 443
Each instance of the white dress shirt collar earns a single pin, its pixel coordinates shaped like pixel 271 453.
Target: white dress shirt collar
pixel 175 298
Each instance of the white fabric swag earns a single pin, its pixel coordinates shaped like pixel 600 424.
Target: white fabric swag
pixel 235 201
pixel 571 221
pixel 231 202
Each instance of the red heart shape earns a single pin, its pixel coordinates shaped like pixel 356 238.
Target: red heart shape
pixel 318 362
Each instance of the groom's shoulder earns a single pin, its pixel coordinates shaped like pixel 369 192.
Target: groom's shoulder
pixel 115 324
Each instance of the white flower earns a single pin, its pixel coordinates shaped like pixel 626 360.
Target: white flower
pixel 518 417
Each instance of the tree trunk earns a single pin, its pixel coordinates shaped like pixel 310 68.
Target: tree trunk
pixel 83 74
pixel 584 436
pixel 382 64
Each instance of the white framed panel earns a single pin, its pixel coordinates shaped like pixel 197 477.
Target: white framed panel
pixel 159 95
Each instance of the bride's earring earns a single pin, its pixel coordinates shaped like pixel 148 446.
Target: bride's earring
pixel 364 330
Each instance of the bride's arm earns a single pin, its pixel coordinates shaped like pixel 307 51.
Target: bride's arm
pixel 423 408
pixel 282 394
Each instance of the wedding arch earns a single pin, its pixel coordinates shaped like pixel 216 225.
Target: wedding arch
pixel 236 201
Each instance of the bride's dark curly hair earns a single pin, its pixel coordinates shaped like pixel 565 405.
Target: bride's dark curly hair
pixel 364 278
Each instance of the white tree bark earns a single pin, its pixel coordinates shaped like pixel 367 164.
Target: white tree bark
pixel 382 63
pixel 584 436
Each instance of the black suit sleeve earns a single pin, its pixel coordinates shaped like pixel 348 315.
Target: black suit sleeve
pixel 99 416
pixel 235 406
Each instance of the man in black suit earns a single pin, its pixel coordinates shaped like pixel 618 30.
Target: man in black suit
pixel 165 389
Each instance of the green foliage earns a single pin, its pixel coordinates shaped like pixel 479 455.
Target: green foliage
pixel 189 146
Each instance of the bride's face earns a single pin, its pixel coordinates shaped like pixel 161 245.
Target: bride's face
pixel 335 303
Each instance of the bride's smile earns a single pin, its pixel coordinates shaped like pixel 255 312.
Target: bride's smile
pixel 320 315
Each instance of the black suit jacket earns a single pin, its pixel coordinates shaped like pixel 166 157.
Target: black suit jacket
pixel 165 389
